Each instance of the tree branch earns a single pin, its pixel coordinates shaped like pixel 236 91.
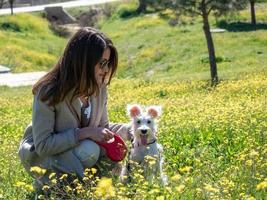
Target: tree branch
pixel 210 9
pixel 209 2
pixel 189 10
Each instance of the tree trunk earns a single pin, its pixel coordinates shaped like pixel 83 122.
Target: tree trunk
pixel 142 6
pixel 211 49
pixel 252 10
pixel 11 2
pixel 2 3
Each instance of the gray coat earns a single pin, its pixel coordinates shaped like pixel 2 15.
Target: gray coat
pixel 48 141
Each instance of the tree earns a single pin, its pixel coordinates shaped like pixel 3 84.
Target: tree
pixel 142 6
pixel 2 3
pixel 11 3
pixel 204 8
pixel 252 10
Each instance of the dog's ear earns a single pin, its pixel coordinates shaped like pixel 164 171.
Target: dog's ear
pixel 154 111
pixel 133 110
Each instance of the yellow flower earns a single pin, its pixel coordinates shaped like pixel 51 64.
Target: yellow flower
pixel 185 169
pixel 23 185
pixel 68 189
pixel 45 187
pixel 176 177
pixel 199 190
pixel 249 163
pixel 160 198
pixel 180 188
pixel 38 170
pixel 250 198
pixel 20 184
pixel 54 181
pixel 41 197
pixel 52 175
pixel 262 185
pixel 104 188
pixel 64 176
pixel 85 179
pixel 94 170
pixel 209 188
pixel 254 153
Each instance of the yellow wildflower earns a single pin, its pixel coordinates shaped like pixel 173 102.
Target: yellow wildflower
pixel 64 176
pixel 20 184
pixel 94 170
pixel 180 188
pixel 38 170
pixel 54 181
pixel 176 177
pixel 250 198
pixel 52 175
pixel 41 197
pixel 185 169
pixel 209 188
pixel 160 198
pixel 262 185
pixel 105 188
pixel 45 187
pixel 249 163
pixel 68 189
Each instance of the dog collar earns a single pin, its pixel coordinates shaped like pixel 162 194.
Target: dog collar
pixel 153 141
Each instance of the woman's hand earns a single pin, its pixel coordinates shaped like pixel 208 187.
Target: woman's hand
pixel 97 134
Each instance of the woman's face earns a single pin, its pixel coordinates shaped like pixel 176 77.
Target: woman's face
pixel 102 68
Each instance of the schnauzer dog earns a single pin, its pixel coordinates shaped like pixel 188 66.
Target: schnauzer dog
pixel 145 150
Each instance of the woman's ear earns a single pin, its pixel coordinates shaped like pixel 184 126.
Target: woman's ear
pixel 133 110
pixel 154 111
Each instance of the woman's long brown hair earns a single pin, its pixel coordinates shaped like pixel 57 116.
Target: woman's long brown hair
pixel 75 70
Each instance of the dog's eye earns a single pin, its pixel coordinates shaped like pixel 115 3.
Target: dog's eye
pixel 138 121
pixel 148 121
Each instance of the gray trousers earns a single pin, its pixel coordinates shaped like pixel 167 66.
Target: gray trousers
pixel 72 161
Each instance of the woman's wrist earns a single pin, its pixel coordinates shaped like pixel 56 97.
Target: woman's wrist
pixel 82 134
pixel 85 133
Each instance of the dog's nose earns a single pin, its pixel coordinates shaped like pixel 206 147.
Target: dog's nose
pixel 143 131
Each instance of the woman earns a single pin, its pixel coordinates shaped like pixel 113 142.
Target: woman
pixel 70 109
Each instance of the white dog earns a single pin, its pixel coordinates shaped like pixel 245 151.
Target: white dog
pixel 144 144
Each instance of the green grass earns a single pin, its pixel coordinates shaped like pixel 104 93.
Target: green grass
pixel 213 131
pixel 214 138
pixel 148 46
pixel 27 43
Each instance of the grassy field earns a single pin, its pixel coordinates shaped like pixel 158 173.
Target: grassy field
pixel 27 43
pixel 214 138
pixel 148 46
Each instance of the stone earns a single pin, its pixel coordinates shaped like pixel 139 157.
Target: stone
pixel 58 15
pixel 217 30
pixel 4 69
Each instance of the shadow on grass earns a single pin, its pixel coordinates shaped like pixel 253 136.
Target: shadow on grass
pixel 241 26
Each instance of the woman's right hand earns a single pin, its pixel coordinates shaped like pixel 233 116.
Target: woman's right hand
pixel 98 134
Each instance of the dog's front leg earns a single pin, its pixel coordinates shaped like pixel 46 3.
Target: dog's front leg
pixel 163 176
pixel 124 174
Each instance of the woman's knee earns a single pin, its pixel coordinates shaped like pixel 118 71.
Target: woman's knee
pixel 88 153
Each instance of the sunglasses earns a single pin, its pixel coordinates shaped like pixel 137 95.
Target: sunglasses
pixel 104 64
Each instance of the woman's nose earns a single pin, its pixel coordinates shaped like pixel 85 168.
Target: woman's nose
pixel 106 69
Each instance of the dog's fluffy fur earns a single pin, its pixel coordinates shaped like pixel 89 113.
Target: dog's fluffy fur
pixel 144 142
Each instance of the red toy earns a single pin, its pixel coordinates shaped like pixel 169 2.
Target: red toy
pixel 116 148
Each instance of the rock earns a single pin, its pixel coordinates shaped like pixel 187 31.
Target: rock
pixel 4 69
